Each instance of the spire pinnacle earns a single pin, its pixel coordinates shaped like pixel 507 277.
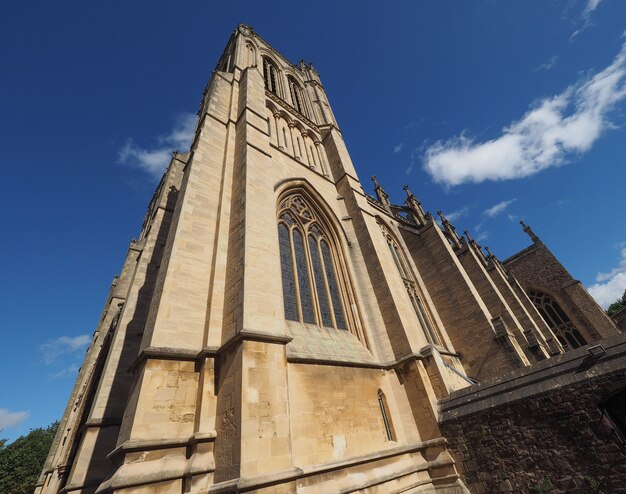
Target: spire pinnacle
pixel 418 215
pixel 529 232
pixel 382 196
pixel 477 248
pixel 449 227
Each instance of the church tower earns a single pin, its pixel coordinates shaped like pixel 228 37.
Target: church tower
pixel 275 328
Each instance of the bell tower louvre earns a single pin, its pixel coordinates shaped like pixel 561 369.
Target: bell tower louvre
pixel 275 329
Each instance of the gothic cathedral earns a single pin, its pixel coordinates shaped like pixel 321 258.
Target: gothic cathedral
pixel 275 329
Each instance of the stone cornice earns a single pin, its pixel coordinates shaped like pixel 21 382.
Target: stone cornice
pixel 189 355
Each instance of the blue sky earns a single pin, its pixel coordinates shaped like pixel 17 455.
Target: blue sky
pixel 490 111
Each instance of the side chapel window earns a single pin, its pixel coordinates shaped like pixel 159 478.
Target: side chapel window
pixel 270 74
pixel 412 289
pixel 557 320
pixel 615 408
pixel 312 289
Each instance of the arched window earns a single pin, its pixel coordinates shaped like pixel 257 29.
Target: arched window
pixel 313 291
pixel 384 411
pixel 557 320
pixel 270 74
pixel 421 311
pixel 296 95
pixel 615 408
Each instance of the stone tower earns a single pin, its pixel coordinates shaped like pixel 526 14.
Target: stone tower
pixel 276 329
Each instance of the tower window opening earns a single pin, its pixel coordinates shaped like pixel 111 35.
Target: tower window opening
pixel 270 76
pixel 313 292
pixel 557 320
pixel 296 95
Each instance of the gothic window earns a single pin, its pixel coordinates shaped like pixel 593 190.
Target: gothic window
pixel 557 320
pixel 384 411
pixel 413 291
pixel 615 408
pixel 296 95
pixel 270 74
pixel 312 289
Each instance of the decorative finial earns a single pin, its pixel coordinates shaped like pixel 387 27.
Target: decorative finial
pixel 417 214
pixel 529 232
pixel 382 196
pixel 449 227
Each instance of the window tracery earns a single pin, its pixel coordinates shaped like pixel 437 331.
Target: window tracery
pixel 557 320
pixel 412 288
pixel 313 291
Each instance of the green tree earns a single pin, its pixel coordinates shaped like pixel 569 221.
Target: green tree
pixel 22 460
pixel 616 306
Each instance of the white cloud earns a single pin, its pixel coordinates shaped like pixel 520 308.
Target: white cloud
pixel 70 371
pixel 548 64
pixel 398 148
pixel 11 419
pixel 545 136
pixel 53 349
pixel 495 210
pixel 590 7
pixel 610 286
pixel 585 16
pixel 459 213
pixel 154 160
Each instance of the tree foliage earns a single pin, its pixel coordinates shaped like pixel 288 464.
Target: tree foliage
pixel 616 306
pixel 22 460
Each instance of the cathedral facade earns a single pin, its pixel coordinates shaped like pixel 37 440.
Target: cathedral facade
pixel 275 329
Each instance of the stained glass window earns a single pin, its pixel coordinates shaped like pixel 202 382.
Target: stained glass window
pixel 319 282
pixel 312 292
pixel 332 287
pixel 557 320
pixel 306 301
pixel 286 265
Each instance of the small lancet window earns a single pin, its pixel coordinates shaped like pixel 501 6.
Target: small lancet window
pixel 270 75
pixel 557 320
pixel 384 411
pixel 312 292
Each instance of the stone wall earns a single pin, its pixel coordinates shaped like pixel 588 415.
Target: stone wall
pixel 620 319
pixel 536 268
pixel 541 429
